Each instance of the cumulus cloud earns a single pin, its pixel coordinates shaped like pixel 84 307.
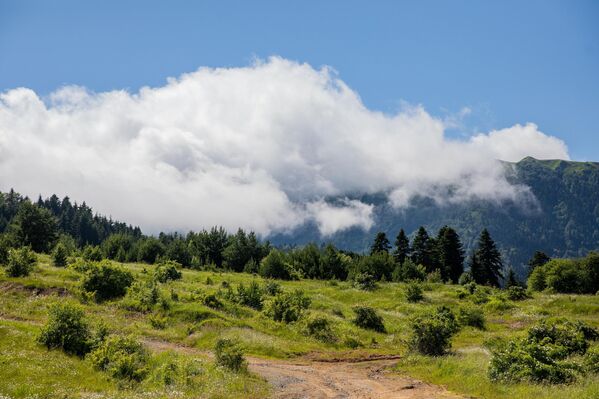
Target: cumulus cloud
pixel 257 147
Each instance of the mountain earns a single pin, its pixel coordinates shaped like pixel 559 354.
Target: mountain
pixel 562 219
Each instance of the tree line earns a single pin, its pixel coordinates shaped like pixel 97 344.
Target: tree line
pixel 74 228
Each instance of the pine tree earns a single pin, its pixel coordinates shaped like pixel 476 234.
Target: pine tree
pixel 476 270
pixel 511 280
pixel 59 255
pixel 422 251
pixel 450 254
pixel 539 258
pixel 402 247
pixel 380 244
pixel 489 258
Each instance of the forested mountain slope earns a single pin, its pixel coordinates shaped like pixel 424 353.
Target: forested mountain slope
pixel 563 220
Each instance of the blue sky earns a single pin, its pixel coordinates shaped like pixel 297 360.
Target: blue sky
pixel 508 61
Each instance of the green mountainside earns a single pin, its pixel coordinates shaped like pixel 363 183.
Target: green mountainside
pixel 562 219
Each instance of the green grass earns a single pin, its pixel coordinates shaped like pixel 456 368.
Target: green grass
pixel 24 303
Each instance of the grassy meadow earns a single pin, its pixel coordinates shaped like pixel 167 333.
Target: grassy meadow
pixel 28 369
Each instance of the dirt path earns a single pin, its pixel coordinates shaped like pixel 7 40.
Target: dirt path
pixel 301 378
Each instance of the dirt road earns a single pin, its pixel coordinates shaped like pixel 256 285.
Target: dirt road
pixel 304 378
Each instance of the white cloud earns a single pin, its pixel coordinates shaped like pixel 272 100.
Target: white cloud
pixel 257 147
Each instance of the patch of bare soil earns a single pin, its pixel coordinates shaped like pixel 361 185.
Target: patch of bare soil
pixel 335 378
pixel 7 287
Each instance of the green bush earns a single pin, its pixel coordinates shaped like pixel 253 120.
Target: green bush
pixel 434 277
pixel 59 255
pixel 167 271
pixel 5 245
pixel 408 271
pixel 545 354
pixel 229 355
pixel 158 322
pixel 66 329
pixel 578 276
pixel 413 292
pixel 20 262
pixel 92 253
pixel 141 296
pixel 287 306
pixel 465 278
pixel 591 360
pixel 517 293
pixel 536 280
pixel 252 295
pixel 272 288
pixel 320 328
pixel 471 316
pixel 368 319
pixel 432 331
pixel 364 281
pixel 121 357
pixel 212 301
pixel 499 304
pixel 106 281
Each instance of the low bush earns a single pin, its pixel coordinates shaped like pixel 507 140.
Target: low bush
pixel 498 304
pixel 158 322
pixel 432 331
pixel 229 355
pixel 167 271
pixel 413 292
pixel 272 288
pixel 66 329
pixel 544 356
pixel 275 265
pixel 320 328
pixel 287 306
pixel 368 319
pixel 59 255
pixel 465 278
pixel 408 271
pixel 471 316
pixel 365 281
pixel 517 293
pixel 105 281
pixel 20 262
pixel 92 253
pixel 141 296
pixel 121 357
pixel 591 360
pixel 434 277
pixel 212 301
pixel 252 295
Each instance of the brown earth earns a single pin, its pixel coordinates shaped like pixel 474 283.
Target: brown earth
pixel 337 378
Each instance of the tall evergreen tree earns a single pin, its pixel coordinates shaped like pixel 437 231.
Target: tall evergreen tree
pixel 402 247
pixel 380 244
pixel 422 251
pixel 489 258
pixel 539 258
pixel 35 226
pixel 476 270
pixel 450 254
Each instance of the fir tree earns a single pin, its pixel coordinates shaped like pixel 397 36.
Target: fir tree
pixel 511 280
pixel 402 247
pixel 539 258
pixel 450 254
pixel 422 251
pixel 380 244
pixel 489 258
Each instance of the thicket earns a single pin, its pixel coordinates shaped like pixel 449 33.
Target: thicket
pixel 105 281
pixel 20 262
pixel 432 331
pixel 66 329
pixel 368 318
pixel 576 276
pixel 287 306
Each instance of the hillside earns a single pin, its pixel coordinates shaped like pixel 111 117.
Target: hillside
pixel 180 327
pixel 563 222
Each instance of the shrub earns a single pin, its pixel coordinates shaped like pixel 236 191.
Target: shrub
pixel 543 356
pixel 432 331
pixel 320 328
pixel 408 270
pixel 498 303
pixel 212 301
pixel 272 288
pixel 167 271
pixel 142 296
pixel 379 265
pixel 517 293
pixel 92 253
pixel 157 321
pixel 413 292
pixel 364 281
pixel 536 280
pixel 591 360
pixel 368 318
pixel 149 250
pixel 471 316
pixel 5 246
pixel 465 278
pixel 59 255
pixel 287 306
pixel 251 296
pixel 106 281
pixel 352 343
pixel 20 262
pixel 66 329
pixel 434 276
pixel 121 357
pixel 229 355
